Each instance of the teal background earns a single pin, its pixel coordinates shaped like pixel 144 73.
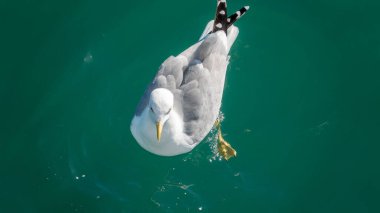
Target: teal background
pixel 301 107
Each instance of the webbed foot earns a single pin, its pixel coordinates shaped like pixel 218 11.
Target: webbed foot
pixel 224 148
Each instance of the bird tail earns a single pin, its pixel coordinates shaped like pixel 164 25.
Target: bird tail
pixel 221 21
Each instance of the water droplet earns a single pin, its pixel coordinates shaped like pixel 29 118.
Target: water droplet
pixel 88 58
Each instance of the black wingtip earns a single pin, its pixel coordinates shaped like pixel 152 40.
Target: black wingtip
pixel 238 14
pixel 221 21
pixel 220 16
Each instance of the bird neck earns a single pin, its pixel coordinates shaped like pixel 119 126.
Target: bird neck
pixel 173 140
pixel 171 130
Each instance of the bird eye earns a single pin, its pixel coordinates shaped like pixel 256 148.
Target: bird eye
pixel 169 111
pixel 151 109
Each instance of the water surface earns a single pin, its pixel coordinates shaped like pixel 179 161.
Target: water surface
pixel 301 107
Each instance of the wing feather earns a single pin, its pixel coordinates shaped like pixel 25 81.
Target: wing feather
pixel 196 79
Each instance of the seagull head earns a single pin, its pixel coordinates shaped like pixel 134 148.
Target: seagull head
pixel 160 106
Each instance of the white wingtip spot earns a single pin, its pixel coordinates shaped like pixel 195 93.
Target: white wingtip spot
pixel 238 13
pixel 228 20
pixel 221 1
pixel 222 12
pixel 219 25
pixel 246 7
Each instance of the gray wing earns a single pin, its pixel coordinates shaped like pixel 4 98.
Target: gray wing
pixel 202 87
pixel 196 78
pixel 169 76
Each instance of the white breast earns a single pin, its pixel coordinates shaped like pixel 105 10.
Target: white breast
pixel 173 140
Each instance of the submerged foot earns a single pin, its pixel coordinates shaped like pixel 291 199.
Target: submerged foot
pixel 224 148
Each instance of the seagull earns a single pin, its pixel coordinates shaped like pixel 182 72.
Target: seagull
pixel 181 105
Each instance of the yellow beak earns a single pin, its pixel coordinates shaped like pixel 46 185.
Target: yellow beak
pixel 159 130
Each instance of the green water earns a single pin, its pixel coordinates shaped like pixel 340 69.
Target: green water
pixel 301 107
